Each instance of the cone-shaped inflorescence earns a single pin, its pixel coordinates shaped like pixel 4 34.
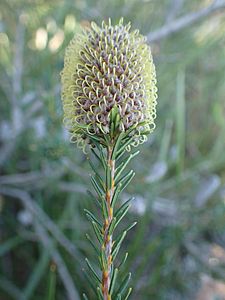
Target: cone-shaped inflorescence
pixel 108 67
pixel 109 98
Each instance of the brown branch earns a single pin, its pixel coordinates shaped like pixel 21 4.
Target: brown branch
pixel 17 76
pixel 72 188
pixel 38 179
pixel 21 178
pixel 174 8
pixel 42 221
pixel 11 289
pixel 62 268
pixel 16 112
pixel 36 211
pixel 185 21
pixel 32 180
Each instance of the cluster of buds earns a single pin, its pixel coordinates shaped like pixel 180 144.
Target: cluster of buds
pixel 108 67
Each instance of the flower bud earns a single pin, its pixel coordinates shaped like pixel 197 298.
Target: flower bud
pixel 104 68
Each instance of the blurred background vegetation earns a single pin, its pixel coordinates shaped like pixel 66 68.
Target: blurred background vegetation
pixel 177 251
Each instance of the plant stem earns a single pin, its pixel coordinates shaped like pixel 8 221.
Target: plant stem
pixel 107 241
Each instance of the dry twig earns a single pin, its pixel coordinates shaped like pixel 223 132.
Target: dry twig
pixel 62 269
pixel 185 21
pixel 38 213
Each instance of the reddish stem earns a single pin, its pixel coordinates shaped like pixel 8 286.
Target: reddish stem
pixel 107 243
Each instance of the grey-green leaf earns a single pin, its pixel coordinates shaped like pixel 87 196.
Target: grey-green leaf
pixel 123 214
pixel 124 164
pixel 113 281
pixel 92 243
pixel 97 188
pixel 97 232
pixel 85 297
pixel 128 294
pixel 92 271
pixel 117 244
pixel 123 261
pixel 123 207
pixel 124 285
pixel 91 217
pixel 100 296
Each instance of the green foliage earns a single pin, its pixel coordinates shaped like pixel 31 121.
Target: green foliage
pixel 103 184
pixel 52 283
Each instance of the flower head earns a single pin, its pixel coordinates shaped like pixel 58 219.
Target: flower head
pixel 106 68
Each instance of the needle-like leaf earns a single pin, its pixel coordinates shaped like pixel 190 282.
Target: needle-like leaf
pixel 103 259
pixel 96 174
pixel 92 196
pixel 127 180
pixel 97 232
pixel 92 243
pixel 97 188
pixel 113 281
pixel 128 294
pixel 105 209
pixel 122 207
pixel 92 270
pixel 85 297
pixel 91 280
pixel 123 147
pixel 123 285
pixel 117 145
pixel 91 217
pixel 124 164
pixel 123 261
pixel 117 244
pixel 126 177
pixel 112 226
pixel 131 226
pixel 100 296
pixel 116 195
pixel 123 214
